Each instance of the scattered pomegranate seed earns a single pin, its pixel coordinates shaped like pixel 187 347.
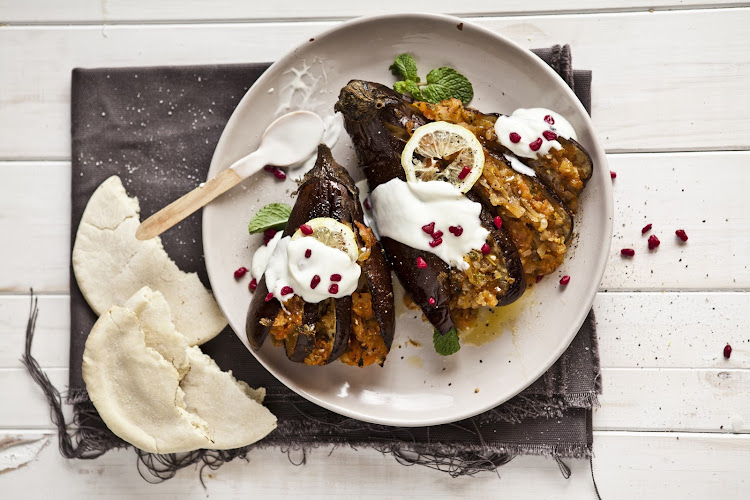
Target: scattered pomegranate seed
pixel 565 280
pixel 437 235
pixel 269 297
pixel 367 204
pixel 239 273
pixel 421 263
pixel 727 351
pixel 627 252
pixel 549 119
pixel 308 253
pixel 436 242
pixel 646 228
pixel 464 172
pixel 613 174
pixel 539 278
pixel 456 230
pixel 253 285
pixel 333 289
pixel 498 222
pixel 514 138
pixel 653 242
pixel 286 290
pixel 681 234
pixel 429 228
pixel 336 277
pixel 485 249
pixel 306 229
pixel 536 144
pixel 549 135
pixel 277 172
pixel 431 301
pixel 314 281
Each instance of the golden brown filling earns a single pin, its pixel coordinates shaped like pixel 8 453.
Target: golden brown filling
pixel 367 346
pixel 483 283
pixel 286 323
pixel 325 332
pixel 562 174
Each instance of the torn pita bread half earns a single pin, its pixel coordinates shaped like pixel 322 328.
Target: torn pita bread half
pixel 110 265
pixel 157 393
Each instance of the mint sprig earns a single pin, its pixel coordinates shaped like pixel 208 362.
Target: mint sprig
pixel 442 83
pixel 272 216
pixel 446 343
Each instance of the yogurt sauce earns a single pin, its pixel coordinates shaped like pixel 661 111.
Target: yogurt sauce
pixel 519 166
pixel 536 129
pixel 404 211
pixel 286 265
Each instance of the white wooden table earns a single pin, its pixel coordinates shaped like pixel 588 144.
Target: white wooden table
pixel 671 103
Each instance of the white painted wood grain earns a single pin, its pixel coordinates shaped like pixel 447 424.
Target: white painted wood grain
pixel 51 339
pixel 648 188
pixel 663 81
pixel 627 465
pixel 114 11
pixel 29 409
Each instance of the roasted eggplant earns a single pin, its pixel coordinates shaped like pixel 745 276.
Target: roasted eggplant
pixel 358 328
pixel 380 123
pixel 564 171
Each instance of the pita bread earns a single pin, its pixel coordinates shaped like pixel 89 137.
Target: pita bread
pixel 110 265
pixel 160 395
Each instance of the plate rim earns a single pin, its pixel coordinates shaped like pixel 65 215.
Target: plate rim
pixel 600 262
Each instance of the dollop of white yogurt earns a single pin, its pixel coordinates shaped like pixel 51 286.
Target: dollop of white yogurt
pixel 530 125
pixel 401 209
pixel 262 257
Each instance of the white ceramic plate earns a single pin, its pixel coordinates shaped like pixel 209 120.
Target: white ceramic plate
pixel 416 386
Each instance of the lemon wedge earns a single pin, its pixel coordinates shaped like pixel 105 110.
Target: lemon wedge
pixel 331 233
pixel 443 151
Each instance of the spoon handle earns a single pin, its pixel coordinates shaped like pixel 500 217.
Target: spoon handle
pixel 187 204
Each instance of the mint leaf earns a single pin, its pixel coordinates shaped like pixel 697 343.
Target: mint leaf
pixel 447 343
pixel 405 68
pixel 444 83
pixel 272 216
pixel 408 87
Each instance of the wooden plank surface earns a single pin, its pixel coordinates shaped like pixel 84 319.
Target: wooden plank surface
pixel 664 81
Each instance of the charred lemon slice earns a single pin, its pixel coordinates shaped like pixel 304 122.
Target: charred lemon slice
pixel 442 151
pixel 331 233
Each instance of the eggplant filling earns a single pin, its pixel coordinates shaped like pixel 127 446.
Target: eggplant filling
pixel 483 282
pixel 367 346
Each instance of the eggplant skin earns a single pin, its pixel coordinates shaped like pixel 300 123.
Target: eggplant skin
pixel 326 191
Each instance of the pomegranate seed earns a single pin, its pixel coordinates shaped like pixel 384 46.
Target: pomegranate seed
pixel 308 253
pixel 314 281
pixel 627 252
pixel 421 263
pixel 436 242
pixel 286 290
pixel 336 277
pixel 456 230
pixel 613 174
pixel 269 233
pixel 253 284
pixel 498 222
pixel 269 297
pixel 549 135
pixel 239 273
pixel 431 301
pixel 681 234
pixel 333 289
pixel 565 280
pixel 653 242
pixel 464 172
pixel 536 144
pixel 306 229
pixel 539 278
pixel 485 249
pixel 514 138
pixel 549 119
pixel 437 235
pixel 646 228
pixel 727 351
pixel 278 173
pixel 367 204
pixel 429 228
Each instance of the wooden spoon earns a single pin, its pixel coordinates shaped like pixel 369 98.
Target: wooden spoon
pixel 290 139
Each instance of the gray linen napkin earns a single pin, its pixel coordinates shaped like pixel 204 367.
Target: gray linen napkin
pixel 157 129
